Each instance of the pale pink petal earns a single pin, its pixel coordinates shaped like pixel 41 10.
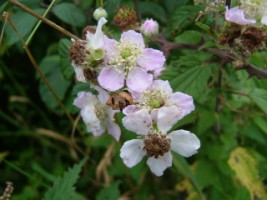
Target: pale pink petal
pixel 158 71
pixel 184 143
pixel 167 117
pixel 110 48
pixel 83 99
pixel 133 38
pixel 182 101
pixel 264 19
pixel 110 79
pixel 113 129
pixel 103 96
pixel 151 59
pixel 139 122
pixel 158 165
pixel 132 152
pixel 130 109
pixel 138 80
pixel 237 15
pixel 91 121
pixel 162 86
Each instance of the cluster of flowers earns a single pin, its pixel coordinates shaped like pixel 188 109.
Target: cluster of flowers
pixel 248 12
pixel 125 75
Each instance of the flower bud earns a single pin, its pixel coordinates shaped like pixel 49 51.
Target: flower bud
pixel 149 28
pixel 100 12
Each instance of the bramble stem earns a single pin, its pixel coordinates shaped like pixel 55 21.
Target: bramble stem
pixel 47 21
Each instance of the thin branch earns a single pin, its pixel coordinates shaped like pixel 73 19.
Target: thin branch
pixel 167 47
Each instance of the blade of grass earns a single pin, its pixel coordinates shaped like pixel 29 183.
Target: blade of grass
pixel 40 21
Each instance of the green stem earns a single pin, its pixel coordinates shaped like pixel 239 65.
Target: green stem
pixel 39 22
pixel 25 173
pixel 182 166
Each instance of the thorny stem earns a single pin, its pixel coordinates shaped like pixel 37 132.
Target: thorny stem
pixel 37 68
pixel 39 22
pixel 50 23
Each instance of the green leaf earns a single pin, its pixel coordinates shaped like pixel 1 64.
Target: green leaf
pixel 245 167
pixel 152 9
pixel 193 81
pixel 50 66
pixel 109 193
pixel 172 4
pixel 70 14
pixel 24 23
pixel 261 123
pixel 184 16
pixel 110 7
pixel 259 96
pixel 189 37
pixel 63 188
pixel 65 63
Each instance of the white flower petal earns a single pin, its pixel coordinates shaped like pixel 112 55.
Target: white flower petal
pixel 83 99
pixel 79 73
pixel 168 116
pixel 151 59
pixel 96 41
pixel 158 165
pixel 91 121
pixel 139 122
pixel 113 129
pixel 132 152
pixel 162 86
pixel 103 96
pixel 237 15
pixel 264 19
pixel 184 143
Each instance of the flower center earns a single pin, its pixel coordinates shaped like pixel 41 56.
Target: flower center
pixel 156 145
pixel 153 99
pixel 100 111
pixel 126 60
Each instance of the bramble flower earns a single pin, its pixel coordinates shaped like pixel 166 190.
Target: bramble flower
pixel 129 61
pixel 149 27
pixel 162 103
pixel 87 54
pixel 97 116
pixel 155 143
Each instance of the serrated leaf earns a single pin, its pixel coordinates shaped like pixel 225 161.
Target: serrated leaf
pixel 24 23
pixel 184 16
pixel 259 96
pixel 70 14
pixel 65 63
pixel 189 37
pixel 152 9
pixel 50 66
pixel 63 188
pixel 193 81
pixel 109 193
pixel 245 168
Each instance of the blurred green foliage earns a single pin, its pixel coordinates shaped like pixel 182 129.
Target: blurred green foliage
pixel 37 146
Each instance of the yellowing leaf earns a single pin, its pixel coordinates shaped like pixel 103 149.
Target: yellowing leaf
pixel 246 172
